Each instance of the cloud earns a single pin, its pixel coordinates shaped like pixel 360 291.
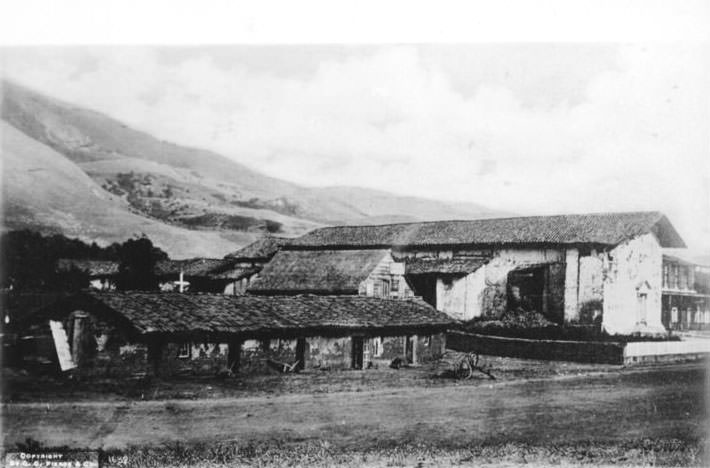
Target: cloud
pixel 629 135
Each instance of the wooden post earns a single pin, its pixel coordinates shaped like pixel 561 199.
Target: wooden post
pixel 442 340
pixel 301 353
pixel 234 354
pixel 78 337
pixel 415 341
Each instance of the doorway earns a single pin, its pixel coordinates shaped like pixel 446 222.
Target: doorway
pixel 538 288
pixel 358 348
pixel 424 286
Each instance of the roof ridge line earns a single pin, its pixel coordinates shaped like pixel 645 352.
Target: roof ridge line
pixel 459 220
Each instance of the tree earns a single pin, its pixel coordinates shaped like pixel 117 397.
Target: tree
pixel 137 258
pixel 29 262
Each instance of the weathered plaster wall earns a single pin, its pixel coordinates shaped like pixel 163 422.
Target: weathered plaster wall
pixel 429 347
pixel 237 287
pixel 631 264
pixel 333 353
pixel 204 359
pixel 107 349
pixel 591 286
pixel 253 356
pixel 461 298
pixel 571 284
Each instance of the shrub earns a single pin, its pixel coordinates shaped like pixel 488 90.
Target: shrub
pixel 537 327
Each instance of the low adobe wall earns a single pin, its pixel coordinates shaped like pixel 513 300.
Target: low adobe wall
pixel 665 351
pixel 552 350
pixel 579 351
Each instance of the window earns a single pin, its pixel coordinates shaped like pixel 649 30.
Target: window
pixel 683 278
pixel 377 349
pixel 642 304
pixel 376 289
pixel 385 288
pixel 666 275
pixel 184 350
pixel 395 285
pixel 642 291
pixel 674 315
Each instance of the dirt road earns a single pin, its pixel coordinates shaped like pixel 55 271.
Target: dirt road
pixel 664 402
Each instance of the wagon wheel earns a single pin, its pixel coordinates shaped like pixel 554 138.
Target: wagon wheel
pixel 464 369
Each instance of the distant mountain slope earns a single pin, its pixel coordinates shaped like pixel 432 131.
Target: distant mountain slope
pixel 384 207
pixel 43 190
pixel 172 190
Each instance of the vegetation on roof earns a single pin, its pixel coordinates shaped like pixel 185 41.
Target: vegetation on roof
pixel 261 249
pixel 452 266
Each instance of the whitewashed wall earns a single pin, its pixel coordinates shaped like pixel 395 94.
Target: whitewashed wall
pixel 461 298
pixel 571 284
pixel 632 264
pixel 591 277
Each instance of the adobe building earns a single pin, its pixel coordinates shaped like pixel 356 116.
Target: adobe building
pixel 247 262
pixel 129 333
pixel 364 272
pixel 229 275
pixel 592 268
pixel 102 273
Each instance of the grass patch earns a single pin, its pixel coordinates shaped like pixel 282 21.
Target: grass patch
pixel 277 453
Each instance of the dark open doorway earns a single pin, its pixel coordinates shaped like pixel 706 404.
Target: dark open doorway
pixel 526 289
pixel 301 353
pixel 538 289
pixel 424 286
pixel 358 349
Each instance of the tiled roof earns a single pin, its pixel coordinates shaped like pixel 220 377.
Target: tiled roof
pixel 95 268
pixel 598 228
pixel 236 273
pixel 175 313
pixel 262 249
pixel 317 271
pixel 418 266
pixel 192 267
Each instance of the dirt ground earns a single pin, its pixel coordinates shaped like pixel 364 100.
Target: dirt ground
pixel 21 388
pixel 653 415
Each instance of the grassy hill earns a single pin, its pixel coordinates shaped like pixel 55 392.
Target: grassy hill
pixel 43 190
pixel 106 171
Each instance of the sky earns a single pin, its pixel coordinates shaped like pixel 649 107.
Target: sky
pixel 524 127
